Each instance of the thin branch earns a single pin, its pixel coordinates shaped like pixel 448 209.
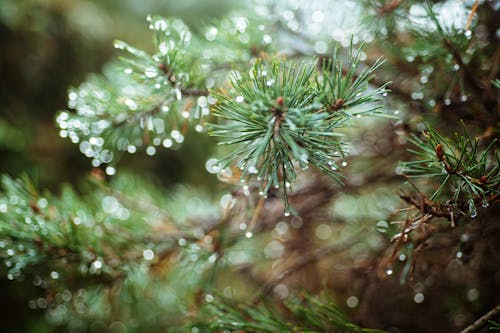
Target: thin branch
pixel 471 15
pixel 478 324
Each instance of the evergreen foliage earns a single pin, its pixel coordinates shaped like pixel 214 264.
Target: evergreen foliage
pixel 310 133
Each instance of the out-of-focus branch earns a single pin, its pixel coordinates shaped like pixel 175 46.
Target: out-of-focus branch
pixel 478 324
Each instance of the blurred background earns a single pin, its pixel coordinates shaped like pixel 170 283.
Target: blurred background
pixel 47 47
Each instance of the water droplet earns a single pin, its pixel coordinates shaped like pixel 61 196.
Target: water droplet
pixel 459 254
pixel 118 44
pixel 252 169
pixel 227 201
pixel 388 271
pixel 97 264
pixel 54 275
pixel 447 101
pixel 248 234
pixel 352 302
pixel 131 149
pixel 323 231
pixel 240 99
pixel 160 25
pixel 468 33
pixel 3 208
pixel 209 298
pixel 485 202
pixel 472 294
pixel 131 104
pixel 419 298
pixel 281 291
pixel 212 165
pixel 344 163
pixel 148 254
pixel 382 226
pixel 178 94
pixel 167 143
pixel 151 72
pixel 410 58
pixel 456 67
pixel 472 209
pixel 150 150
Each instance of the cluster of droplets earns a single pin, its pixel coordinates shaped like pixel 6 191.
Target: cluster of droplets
pixel 143 107
pixel 236 29
pixel 110 121
pixel 450 15
pixel 310 20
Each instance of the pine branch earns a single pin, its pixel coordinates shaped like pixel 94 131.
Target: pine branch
pixel 285 115
pixel 305 314
pixel 473 170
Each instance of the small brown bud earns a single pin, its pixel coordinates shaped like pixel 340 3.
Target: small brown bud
pixel 339 103
pixel 163 68
pixel 34 208
pixel 97 174
pixel 280 101
pixel 483 179
pixel 439 152
pixel 254 50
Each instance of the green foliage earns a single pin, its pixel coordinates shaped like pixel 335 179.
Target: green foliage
pixel 462 167
pixel 308 314
pixel 344 87
pixel 436 40
pixel 95 254
pixel 286 114
pixel 496 83
pixel 140 101
pixel 127 256
pixel 494 326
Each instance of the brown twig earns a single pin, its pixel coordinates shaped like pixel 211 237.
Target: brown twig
pixel 471 15
pixel 478 324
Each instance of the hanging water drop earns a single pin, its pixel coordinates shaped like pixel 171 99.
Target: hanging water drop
pixel 119 45
pixel 472 209
pixel 388 271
